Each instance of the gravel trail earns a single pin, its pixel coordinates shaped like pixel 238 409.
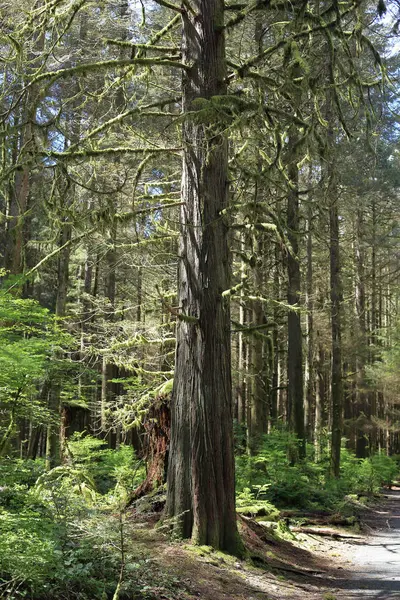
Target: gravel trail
pixel 374 569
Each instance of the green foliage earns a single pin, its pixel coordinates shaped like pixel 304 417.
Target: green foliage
pixel 63 551
pixel 17 477
pixel 110 470
pixel 385 372
pixel 29 341
pixel 270 477
pixel 251 502
pixel 59 535
pixel 26 341
pixel 288 485
pixel 368 475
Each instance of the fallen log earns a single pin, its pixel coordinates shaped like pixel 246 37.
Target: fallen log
pixel 295 514
pixel 318 518
pixel 324 532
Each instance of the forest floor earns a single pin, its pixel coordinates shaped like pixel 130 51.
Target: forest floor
pixel 345 565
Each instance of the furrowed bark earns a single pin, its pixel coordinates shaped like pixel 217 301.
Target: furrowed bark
pixel 201 499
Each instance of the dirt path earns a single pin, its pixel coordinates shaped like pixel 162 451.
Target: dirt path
pixel 371 566
pixel 306 567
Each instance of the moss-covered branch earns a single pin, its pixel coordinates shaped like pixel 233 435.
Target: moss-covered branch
pixel 169 5
pixel 239 328
pixel 134 45
pixel 160 34
pixel 85 68
pixel 92 152
pixel 124 217
pixel 122 116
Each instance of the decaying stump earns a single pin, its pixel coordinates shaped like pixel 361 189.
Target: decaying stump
pixel 157 428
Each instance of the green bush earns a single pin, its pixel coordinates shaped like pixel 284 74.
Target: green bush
pixel 17 477
pixel 288 485
pixel 270 476
pixel 375 472
pixel 364 476
pixel 59 536
pixel 107 467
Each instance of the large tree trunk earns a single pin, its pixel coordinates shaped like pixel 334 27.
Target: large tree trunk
pixel 201 494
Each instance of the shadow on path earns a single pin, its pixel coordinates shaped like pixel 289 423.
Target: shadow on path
pixel 376 563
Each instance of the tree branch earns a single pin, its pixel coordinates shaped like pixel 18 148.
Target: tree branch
pixel 107 64
pixel 104 152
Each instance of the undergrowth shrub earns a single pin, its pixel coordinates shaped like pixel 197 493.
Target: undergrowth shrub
pixel 375 472
pixel 270 471
pixel 16 477
pixel 270 479
pixel 107 467
pixel 60 531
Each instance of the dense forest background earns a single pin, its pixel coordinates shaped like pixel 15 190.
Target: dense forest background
pixel 197 201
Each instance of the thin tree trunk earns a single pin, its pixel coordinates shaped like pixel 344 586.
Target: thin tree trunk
pixel 109 371
pixel 336 298
pixel 56 433
pixel 109 389
pixel 241 392
pixel 295 339
pixel 275 379
pixel 320 397
pixel 259 399
pixel 373 396
pixel 309 378
pixel 361 399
